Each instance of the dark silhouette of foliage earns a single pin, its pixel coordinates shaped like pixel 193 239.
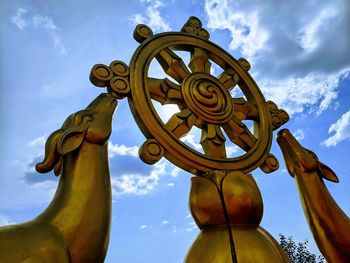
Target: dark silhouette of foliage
pixel 298 253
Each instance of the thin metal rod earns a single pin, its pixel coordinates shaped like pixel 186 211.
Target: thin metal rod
pixel 230 233
pixel 227 219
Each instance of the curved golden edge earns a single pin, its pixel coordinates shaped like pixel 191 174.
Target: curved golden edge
pixel 75 227
pixel 328 223
pixel 142 109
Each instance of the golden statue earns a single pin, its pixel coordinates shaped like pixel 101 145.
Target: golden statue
pixel 75 226
pixel 224 200
pixel 328 223
pixel 228 208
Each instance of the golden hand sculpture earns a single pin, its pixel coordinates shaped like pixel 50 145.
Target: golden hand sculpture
pixel 75 226
pixel 328 223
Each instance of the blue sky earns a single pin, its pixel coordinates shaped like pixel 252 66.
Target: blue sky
pixel 299 52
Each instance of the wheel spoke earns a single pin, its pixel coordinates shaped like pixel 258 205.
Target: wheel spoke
pixel 229 78
pixel 181 123
pixel 164 91
pixel 239 134
pixel 244 110
pixel 213 141
pixel 172 64
pixel 199 61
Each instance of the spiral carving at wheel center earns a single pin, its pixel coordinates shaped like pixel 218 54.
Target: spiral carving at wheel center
pixel 207 98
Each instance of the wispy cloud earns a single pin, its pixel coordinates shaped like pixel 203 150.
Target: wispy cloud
pixel 175 172
pixel 166 111
pixel 230 150
pixel 134 184
pixel 143 227
pixel 341 131
pixel 299 134
pixel 138 184
pixel 165 222
pixel 291 60
pixel 153 16
pixel 192 141
pixel 36 147
pixel 40 21
pixel 142 183
pixel 189 228
pixel 308 34
pixel 32 177
pixel 120 149
pixel 244 28
pixel 37 143
pixel 177 225
pixel 186 226
pixel 314 92
pixel 5 220
pixel 19 19
pixel 47 23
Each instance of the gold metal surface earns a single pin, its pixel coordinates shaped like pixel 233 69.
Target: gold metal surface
pixel 328 223
pixel 223 204
pixel 204 101
pixel 75 226
pixel 253 245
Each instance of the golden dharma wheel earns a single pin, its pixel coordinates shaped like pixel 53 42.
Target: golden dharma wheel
pixel 204 101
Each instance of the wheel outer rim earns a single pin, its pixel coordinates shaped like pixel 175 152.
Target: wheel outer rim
pixel 153 127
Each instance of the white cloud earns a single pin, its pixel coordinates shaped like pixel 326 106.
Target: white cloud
pixel 116 149
pixel 230 150
pixel 38 142
pixel 341 129
pixel 165 222
pixel 175 172
pixel 141 184
pixel 143 227
pixel 308 39
pixel 314 92
pixel 18 19
pixel 290 55
pixel 153 17
pixel 299 134
pixel 47 187
pixel 138 184
pixel 5 220
pixel 166 111
pixel 191 140
pixel 47 23
pixel 37 145
pixel 244 28
pixel 40 21
pixel 190 228
pixel 133 184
